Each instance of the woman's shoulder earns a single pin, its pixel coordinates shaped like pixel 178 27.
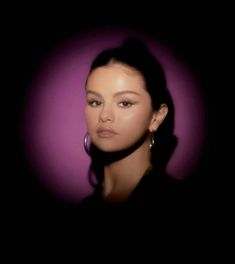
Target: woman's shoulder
pixel 94 199
pixel 156 189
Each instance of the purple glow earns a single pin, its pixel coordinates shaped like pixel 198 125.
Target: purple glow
pixel 54 123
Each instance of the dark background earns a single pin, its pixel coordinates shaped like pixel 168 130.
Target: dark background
pixel 198 34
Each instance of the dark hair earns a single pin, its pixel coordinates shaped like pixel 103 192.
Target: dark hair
pixel 135 54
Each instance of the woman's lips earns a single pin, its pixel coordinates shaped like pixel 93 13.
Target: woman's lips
pixel 106 132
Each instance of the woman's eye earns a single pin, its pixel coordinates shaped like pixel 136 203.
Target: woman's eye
pixel 125 104
pixel 94 103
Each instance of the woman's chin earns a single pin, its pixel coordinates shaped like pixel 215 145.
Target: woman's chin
pixel 113 148
pixel 108 149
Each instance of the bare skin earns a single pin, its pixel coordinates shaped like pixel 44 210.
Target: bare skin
pixel 118 114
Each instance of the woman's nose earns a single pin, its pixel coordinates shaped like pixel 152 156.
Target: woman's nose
pixel 106 114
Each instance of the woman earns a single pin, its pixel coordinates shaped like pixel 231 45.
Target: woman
pixel 129 116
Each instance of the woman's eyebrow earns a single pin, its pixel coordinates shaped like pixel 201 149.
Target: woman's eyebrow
pixel 116 94
pixel 126 91
pixel 93 92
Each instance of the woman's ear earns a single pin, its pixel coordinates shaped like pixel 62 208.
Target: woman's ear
pixel 158 117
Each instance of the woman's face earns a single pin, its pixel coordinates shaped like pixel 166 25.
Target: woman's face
pixel 118 109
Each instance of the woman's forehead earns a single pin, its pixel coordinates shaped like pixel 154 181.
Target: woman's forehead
pixel 116 76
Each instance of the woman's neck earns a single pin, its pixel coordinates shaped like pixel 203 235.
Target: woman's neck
pixel 122 176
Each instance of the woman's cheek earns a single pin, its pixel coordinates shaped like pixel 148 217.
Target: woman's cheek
pixel 136 116
pixel 128 116
pixel 91 117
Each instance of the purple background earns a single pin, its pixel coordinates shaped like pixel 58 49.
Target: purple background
pixel 53 124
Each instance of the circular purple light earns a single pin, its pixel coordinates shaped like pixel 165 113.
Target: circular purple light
pixel 53 122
